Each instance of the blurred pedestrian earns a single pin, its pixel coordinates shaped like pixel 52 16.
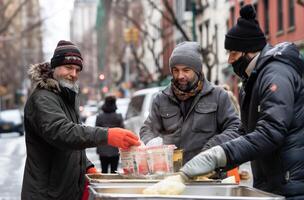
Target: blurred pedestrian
pixel 272 112
pixel 109 155
pixel 190 113
pixel 56 161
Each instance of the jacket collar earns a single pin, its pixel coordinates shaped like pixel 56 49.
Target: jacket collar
pixel 41 76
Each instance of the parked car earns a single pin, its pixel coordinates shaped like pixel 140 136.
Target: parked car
pixel 122 106
pixel 11 121
pixel 139 108
pixel 90 109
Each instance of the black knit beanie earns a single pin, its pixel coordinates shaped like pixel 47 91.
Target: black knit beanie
pixel 246 35
pixel 109 105
pixel 189 54
pixel 66 53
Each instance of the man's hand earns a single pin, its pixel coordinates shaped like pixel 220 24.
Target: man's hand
pixel 205 162
pixel 172 185
pixel 122 138
pixel 92 170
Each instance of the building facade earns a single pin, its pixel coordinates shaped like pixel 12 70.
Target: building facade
pixel 20 46
pixel 83 34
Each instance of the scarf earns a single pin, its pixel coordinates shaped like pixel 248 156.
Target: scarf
pixel 181 95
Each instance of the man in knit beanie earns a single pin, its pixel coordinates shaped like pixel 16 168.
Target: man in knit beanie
pixel 66 64
pixel 56 140
pixel 190 113
pixel 244 41
pixel 272 112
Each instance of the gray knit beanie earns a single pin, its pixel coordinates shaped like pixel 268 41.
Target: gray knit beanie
pixel 189 54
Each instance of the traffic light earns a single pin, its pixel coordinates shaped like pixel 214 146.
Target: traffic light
pixel 135 34
pixel 127 34
pixel 131 35
pixel 105 89
pixel 101 77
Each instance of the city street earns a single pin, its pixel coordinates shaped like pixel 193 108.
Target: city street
pixel 12 160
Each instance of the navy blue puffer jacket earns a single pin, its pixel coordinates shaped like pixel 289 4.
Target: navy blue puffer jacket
pixel 272 114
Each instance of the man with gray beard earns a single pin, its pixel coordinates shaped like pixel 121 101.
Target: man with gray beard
pixel 56 162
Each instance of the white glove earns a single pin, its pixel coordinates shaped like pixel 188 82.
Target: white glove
pixel 172 185
pixel 155 142
pixel 205 162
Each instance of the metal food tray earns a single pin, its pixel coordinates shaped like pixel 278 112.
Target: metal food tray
pixel 99 178
pixel 212 192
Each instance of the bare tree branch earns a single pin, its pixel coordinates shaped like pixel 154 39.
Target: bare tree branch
pixel 175 21
pixel 5 25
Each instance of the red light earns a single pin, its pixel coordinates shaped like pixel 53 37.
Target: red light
pixel 105 89
pixel 101 76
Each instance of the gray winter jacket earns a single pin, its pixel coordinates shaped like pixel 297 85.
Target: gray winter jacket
pixel 55 141
pixel 210 118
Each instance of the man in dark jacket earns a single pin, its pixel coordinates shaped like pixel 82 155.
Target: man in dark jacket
pixel 55 140
pixel 108 155
pixel 190 113
pixel 272 112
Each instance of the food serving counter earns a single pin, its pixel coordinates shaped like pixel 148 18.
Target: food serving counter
pixel 204 191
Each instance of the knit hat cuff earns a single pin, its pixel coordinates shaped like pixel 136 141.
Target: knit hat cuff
pixel 187 60
pixel 244 44
pixel 66 60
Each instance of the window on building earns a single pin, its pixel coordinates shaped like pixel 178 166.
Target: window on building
pixel 291 13
pixel 241 4
pixel 266 17
pixel 232 10
pixel 280 15
pixel 255 5
pixel 188 5
pixel 207 22
pixel 200 28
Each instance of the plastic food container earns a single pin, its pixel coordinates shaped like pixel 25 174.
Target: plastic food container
pixel 160 159
pixel 147 161
pixel 134 161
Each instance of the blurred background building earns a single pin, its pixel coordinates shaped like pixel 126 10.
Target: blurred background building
pixel 83 34
pixel 20 46
pixel 126 44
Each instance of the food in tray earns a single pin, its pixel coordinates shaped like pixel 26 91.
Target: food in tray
pixel 169 186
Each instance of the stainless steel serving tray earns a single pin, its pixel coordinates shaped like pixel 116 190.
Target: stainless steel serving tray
pixel 212 192
pixel 99 178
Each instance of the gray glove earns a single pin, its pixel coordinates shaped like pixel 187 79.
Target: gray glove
pixel 205 162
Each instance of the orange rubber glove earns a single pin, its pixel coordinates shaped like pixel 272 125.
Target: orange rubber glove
pixel 92 170
pixel 122 138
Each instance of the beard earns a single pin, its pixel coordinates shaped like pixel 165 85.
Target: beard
pixel 72 85
pixel 187 85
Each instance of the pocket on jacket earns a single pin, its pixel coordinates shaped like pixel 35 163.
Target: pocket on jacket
pixel 170 118
pixel 204 119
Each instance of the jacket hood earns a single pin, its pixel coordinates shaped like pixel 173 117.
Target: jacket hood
pixel 41 76
pixel 285 52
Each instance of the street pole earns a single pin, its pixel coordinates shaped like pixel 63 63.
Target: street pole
pixel 127 72
pixel 193 20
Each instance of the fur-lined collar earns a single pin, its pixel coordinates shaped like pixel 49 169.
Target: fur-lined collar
pixel 41 76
